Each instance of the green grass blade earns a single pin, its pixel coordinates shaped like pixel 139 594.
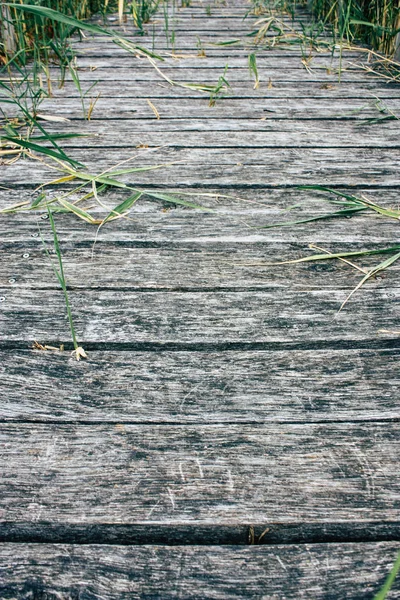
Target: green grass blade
pixel 381 595
pixel 174 200
pixel 341 213
pixel 44 150
pixel 38 200
pixel 54 15
pixel 371 273
pixel 322 188
pixel 122 208
pixel 58 136
pixel 316 257
pixel 79 352
pixel 79 212
pixel 253 69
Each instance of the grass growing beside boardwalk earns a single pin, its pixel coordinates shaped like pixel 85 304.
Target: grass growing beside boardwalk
pixel 375 23
pixel 28 35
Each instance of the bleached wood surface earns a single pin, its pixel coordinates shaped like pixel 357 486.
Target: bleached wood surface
pixel 224 401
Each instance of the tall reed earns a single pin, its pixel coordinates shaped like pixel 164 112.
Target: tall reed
pixel 24 35
pixel 373 22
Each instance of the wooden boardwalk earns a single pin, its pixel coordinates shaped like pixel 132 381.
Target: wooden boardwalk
pixel 231 435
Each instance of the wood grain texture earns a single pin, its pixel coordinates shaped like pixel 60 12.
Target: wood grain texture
pixel 246 133
pixel 180 266
pixel 122 108
pixel 337 572
pixel 117 59
pixel 200 318
pixel 240 167
pixel 211 76
pixel 276 89
pixel 226 474
pixel 221 403
pixel 193 387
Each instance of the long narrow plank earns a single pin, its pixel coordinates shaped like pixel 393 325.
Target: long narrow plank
pixel 192 266
pixel 225 474
pixel 303 386
pixel 200 318
pixel 227 108
pixel 260 202
pixel 317 571
pixel 103 46
pixel 289 133
pixel 233 167
pixel 103 134
pixel 244 90
pixel 200 75
pixel 173 229
pixel 192 62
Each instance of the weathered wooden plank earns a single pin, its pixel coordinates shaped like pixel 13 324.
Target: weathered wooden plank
pixel 227 108
pixel 304 386
pixel 220 23
pixel 179 266
pixel 244 90
pixel 103 46
pixel 200 318
pixel 232 167
pixel 225 474
pixel 265 60
pixel 245 202
pixel 210 76
pixel 307 134
pixel 271 132
pixel 316 571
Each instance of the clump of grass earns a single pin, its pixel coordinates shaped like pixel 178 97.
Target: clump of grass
pixel 373 22
pixel 25 89
pixel 142 11
pixel 28 34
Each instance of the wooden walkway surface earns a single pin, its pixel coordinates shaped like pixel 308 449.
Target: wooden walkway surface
pixel 231 435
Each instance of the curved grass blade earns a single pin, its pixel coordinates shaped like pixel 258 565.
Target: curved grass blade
pixel 341 213
pixel 122 208
pixel 381 595
pixel 175 200
pixel 79 212
pixel 43 150
pixel 316 257
pixel 54 15
pixel 354 200
pixel 374 271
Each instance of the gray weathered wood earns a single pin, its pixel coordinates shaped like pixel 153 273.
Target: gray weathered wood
pixel 193 63
pixel 239 167
pixel 216 396
pixel 210 76
pixel 195 266
pixel 201 318
pixel 193 387
pixel 250 133
pixel 244 90
pixel 331 108
pixel 227 474
pixel 318 571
